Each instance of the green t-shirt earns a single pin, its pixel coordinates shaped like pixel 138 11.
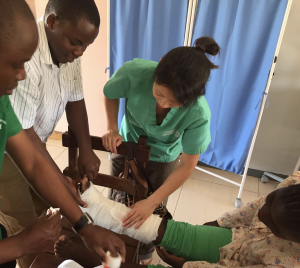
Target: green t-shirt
pixel 9 124
pixel 183 129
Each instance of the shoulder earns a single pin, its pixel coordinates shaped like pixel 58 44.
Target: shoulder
pixel 201 109
pixel 4 101
pixel 140 67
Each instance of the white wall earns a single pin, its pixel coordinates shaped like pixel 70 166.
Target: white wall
pixel 94 62
pixel 277 148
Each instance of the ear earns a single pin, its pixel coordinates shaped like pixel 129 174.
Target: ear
pixel 52 22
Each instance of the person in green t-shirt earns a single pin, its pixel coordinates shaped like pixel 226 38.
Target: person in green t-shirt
pixel 165 102
pixel 18 41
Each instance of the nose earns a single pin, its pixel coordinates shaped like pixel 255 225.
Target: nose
pixel 79 52
pixel 21 75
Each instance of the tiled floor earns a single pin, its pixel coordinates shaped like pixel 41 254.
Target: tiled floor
pixel 200 199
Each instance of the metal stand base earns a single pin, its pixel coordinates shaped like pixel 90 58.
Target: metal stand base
pixel 238 202
pixel 265 179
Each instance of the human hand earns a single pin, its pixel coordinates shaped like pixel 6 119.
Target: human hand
pixel 100 240
pixel 88 164
pixel 174 261
pixel 42 234
pixel 140 212
pixel 72 186
pixel 212 223
pixel 111 140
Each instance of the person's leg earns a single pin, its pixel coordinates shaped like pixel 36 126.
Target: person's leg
pixel 158 174
pixel 16 206
pixel 116 168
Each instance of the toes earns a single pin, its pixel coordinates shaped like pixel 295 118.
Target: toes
pixel 63 240
pixel 57 255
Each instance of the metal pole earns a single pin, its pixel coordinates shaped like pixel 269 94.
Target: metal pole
pixel 192 23
pixel 188 22
pixel 264 98
pixel 108 40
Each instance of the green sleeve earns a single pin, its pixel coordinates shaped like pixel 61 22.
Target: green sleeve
pixel 13 124
pixel 196 138
pixel 119 84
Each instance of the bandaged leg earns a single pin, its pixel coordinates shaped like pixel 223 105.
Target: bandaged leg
pixel 195 243
pixel 108 214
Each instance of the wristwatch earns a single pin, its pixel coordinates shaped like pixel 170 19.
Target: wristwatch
pixel 85 220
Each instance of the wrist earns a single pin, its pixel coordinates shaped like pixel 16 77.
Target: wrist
pixel 21 243
pixel 153 200
pixel 86 230
pixel 113 130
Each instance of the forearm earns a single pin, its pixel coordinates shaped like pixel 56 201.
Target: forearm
pixel 41 147
pixel 78 121
pixel 10 249
pixel 112 110
pixel 41 176
pixel 173 182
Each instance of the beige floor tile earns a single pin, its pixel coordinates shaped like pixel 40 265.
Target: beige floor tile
pixel 55 151
pixel 102 154
pixel 202 201
pixel 173 200
pixel 251 183
pixel 105 166
pixel 56 143
pixel 155 258
pixel 266 188
pixel 62 160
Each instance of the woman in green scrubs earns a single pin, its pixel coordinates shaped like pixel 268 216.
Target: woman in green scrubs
pixel 165 102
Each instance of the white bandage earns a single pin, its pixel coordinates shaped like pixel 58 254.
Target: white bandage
pixel 108 214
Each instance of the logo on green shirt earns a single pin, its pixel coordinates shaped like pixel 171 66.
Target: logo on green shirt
pixel 3 122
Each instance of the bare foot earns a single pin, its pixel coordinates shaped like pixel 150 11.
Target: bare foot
pixel 65 249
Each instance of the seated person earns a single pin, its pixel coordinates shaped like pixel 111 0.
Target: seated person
pixel 263 233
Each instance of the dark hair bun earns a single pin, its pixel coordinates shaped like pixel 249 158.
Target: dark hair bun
pixel 207 45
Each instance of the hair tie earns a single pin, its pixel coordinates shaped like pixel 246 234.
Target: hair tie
pixel 202 48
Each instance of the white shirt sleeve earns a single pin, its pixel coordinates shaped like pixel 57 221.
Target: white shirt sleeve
pixel 25 98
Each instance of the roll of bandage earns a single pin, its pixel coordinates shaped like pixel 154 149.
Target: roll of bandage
pixel 113 262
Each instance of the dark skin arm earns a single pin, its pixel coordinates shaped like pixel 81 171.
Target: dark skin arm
pixel 40 146
pixel 88 162
pixel 34 239
pixel 212 223
pixel 45 181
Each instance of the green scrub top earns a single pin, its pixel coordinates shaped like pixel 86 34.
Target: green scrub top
pixel 9 126
pixel 183 129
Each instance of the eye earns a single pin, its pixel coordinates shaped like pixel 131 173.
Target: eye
pixel 72 43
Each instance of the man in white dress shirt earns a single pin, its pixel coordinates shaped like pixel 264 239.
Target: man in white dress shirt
pixel 53 85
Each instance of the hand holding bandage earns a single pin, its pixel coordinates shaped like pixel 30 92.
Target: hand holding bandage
pixel 109 214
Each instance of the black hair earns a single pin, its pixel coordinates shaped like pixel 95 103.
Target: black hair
pixel 185 70
pixel 10 12
pixel 291 205
pixel 74 10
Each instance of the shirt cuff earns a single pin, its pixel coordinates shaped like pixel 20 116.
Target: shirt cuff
pixel 76 97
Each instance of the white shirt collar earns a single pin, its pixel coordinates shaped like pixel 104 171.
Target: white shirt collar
pixel 45 55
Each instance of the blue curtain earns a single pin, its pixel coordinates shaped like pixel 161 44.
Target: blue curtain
pixel 145 29
pixel 247 32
